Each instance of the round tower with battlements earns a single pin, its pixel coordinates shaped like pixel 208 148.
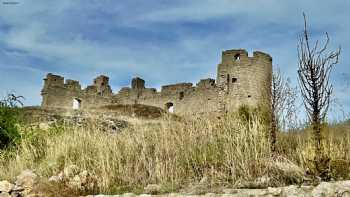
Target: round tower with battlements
pixel 244 80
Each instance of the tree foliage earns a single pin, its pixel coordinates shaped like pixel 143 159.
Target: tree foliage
pixel 9 111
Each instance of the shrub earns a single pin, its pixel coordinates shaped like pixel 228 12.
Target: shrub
pixel 9 118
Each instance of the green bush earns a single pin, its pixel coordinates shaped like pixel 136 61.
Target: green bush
pixel 9 119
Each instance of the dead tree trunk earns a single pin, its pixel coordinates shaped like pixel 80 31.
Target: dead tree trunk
pixel 315 66
pixel 282 102
pixel 277 92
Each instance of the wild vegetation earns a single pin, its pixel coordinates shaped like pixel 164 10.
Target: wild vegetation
pixel 9 119
pixel 233 150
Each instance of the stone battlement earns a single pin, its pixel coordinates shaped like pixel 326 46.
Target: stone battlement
pixel 240 80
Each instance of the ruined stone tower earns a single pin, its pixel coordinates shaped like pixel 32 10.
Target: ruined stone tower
pixel 244 79
pixel 241 79
pixel 102 85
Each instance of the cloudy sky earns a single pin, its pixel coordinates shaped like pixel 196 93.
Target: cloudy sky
pixel 162 41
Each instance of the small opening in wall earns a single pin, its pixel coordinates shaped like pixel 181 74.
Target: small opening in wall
pixel 181 96
pixel 76 103
pixel 237 57
pixel 102 84
pixel 234 80
pixel 249 96
pixel 169 107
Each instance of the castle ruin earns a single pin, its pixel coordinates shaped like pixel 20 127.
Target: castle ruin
pixel 240 80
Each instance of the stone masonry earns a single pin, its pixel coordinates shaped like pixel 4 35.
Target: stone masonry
pixel 240 80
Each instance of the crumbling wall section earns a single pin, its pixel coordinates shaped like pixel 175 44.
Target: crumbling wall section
pixel 184 97
pixel 241 79
pixel 58 93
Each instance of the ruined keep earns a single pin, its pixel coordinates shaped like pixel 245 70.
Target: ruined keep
pixel 240 80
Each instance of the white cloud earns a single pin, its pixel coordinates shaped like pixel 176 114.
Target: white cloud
pixel 43 29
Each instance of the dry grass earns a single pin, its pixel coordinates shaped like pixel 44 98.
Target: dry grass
pixel 136 110
pixel 297 146
pixel 166 152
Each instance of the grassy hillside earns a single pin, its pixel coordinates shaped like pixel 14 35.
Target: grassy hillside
pixel 175 154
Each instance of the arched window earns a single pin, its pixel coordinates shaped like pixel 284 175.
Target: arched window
pixel 76 103
pixel 169 107
pixel 237 57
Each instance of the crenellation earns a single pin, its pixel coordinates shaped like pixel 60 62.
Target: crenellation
pixel 90 90
pixel 240 80
pixel 137 83
pixel 52 80
pixel 175 88
pixel 124 90
pixel 262 56
pixel 206 83
pixel 73 85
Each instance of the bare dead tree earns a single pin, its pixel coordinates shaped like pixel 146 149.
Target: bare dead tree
pixel 290 117
pixel 12 100
pixel 315 66
pixel 277 100
pixel 283 98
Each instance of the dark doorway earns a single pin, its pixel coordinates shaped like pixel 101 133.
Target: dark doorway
pixel 76 103
pixel 169 107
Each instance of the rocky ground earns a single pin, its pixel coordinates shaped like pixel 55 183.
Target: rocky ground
pixel 338 189
pixel 324 189
pixel 74 178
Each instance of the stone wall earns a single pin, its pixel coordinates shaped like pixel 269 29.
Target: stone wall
pixel 240 80
pixel 58 93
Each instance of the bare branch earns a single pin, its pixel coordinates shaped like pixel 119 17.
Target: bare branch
pixel 315 67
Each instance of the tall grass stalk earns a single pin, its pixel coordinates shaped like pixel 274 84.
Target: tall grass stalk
pixel 166 152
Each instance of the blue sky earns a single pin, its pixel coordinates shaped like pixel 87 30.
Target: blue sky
pixel 162 41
